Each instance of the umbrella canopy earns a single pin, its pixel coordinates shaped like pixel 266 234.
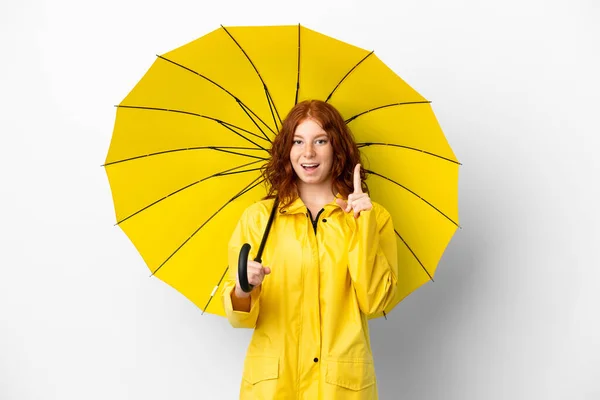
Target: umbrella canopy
pixel 190 138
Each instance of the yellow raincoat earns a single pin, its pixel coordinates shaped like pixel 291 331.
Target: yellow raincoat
pixel 311 335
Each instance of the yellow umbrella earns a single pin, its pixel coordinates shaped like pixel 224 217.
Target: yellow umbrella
pixel 190 138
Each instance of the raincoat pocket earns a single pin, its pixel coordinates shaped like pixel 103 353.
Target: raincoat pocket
pixel 353 374
pixel 260 368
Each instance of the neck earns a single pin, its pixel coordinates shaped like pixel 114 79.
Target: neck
pixel 316 194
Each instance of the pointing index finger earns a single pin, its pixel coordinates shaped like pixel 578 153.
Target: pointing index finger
pixel 357 181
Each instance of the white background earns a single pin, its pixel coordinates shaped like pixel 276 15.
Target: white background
pixel 514 312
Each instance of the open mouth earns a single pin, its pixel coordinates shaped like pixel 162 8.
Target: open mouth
pixel 309 167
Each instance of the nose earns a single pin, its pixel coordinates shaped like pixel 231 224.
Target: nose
pixel 309 150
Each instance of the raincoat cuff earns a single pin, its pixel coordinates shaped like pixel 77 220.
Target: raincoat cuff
pixel 241 319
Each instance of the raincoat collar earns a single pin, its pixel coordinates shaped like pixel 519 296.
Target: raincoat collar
pixel 298 206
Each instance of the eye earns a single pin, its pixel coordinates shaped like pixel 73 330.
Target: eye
pixel 322 141
pixel 296 141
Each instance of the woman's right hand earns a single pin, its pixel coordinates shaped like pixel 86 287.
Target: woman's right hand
pixel 256 275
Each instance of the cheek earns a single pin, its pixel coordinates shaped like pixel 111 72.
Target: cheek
pixel 294 156
pixel 329 156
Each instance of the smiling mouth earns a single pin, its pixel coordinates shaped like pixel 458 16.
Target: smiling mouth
pixel 309 167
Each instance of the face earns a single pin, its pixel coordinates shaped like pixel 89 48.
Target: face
pixel 311 154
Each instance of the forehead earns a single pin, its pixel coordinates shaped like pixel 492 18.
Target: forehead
pixel 309 127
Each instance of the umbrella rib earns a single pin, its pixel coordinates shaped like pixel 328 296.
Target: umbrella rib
pixel 413 193
pixel 221 149
pixel 225 150
pixel 386 106
pixel 367 144
pixel 272 106
pixel 298 78
pixel 230 171
pixel 414 255
pixel 345 76
pixel 249 187
pixel 214 291
pixel 222 123
pixel 220 87
pixel 254 122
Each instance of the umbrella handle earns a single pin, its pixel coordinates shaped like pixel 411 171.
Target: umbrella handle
pixel 245 251
pixel 243 269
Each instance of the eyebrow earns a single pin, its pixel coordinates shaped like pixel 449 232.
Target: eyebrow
pixel 321 135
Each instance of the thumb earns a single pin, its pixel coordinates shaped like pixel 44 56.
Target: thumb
pixel 266 270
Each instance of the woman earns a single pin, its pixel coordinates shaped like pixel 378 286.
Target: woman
pixel 329 264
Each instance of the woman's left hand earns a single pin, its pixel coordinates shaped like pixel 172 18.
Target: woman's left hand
pixel 357 201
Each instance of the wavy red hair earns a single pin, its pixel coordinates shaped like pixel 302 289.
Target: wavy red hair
pixel 278 172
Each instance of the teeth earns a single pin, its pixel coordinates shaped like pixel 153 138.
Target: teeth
pixel 309 165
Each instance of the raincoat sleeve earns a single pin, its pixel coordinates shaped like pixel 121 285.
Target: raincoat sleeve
pixel 372 259
pixel 242 234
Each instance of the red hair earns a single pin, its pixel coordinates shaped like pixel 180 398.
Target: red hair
pixel 278 171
